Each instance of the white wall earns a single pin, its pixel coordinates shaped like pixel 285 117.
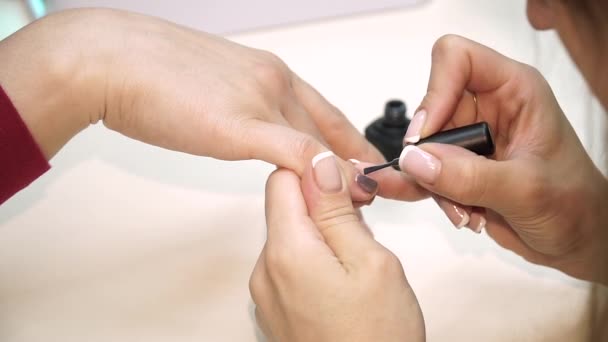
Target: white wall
pixel 237 15
pixel 13 15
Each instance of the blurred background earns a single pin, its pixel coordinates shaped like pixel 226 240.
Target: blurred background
pixel 121 241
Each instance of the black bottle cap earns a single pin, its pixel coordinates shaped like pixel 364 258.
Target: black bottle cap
pixel 386 133
pixel 395 114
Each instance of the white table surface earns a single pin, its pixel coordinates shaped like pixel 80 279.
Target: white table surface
pixel 121 241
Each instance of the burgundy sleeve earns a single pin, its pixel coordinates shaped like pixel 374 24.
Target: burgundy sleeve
pixel 21 160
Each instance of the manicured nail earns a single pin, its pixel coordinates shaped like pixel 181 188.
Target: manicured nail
pixel 414 130
pixel 367 184
pixel 481 226
pixel 419 164
pixel 326 172
pixel 354 161
pixel 457 215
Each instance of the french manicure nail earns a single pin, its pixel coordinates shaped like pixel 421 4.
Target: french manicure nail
pixel 326 172
pixel 367 184
pixel 354 161
pixel 481 226
pixel 419 164
pixel 457 215
pixel 414 129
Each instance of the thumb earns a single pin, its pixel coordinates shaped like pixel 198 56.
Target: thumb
pixel 329 204
pixel 461 175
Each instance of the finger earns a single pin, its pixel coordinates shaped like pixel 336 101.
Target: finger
pixel 279 145
pixel 458 214
pixel 331 209
pixel 363 189
pixel 286 147
pixel 298 118
pixel 393 184
pixel 286 212
pixel 343 138
pixel 466 112
pixel 478 221
pixel 459 64
pixel 463 176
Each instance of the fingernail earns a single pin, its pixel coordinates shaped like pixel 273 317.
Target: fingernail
pixel 354 161
pixel 326 172
pixel 419 164
pixel 481 226
pixel 457 215
pixel 414 130
pixel 367 184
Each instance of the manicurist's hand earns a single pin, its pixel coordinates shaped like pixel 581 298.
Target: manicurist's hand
pixel 321 275
pixel 540 195
pixel 172 87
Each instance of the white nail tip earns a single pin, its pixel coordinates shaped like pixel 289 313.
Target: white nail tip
pixel 405 151
pixel 465 220
pixel 413 140
pixel 481 226
pixel 354 161
pixel 321 156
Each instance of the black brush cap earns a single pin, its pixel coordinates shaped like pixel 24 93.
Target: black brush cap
pixel 476 138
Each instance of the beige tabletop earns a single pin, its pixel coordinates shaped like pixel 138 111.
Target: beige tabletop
pixel 121 241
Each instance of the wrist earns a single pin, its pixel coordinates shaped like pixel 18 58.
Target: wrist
pixel 49 81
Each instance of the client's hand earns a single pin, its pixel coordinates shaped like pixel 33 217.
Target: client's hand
pixel 541 195
pixel 172 87
pixel 321 275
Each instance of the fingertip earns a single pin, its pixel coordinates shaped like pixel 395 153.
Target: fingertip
pixel 393 184
pixel 279 177
pixel 283 198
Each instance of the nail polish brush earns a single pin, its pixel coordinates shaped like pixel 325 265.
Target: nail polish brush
pixel 476 138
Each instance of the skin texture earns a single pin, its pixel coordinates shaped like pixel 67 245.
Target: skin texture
pixel 541 194
pixel 321 275
pixel 171 87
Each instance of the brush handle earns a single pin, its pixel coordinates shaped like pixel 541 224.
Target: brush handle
pixel 476 138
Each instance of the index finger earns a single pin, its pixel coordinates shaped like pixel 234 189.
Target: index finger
pixel 343 138
pixel 460 65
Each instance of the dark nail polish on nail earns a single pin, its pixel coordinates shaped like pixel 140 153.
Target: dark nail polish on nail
pixel 367 184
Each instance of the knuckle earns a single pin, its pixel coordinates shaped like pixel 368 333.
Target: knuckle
pixel 382 261
pixel 334 215
pixel 472 186
pixel 277 260
pixel 269 70
pixel 445 44
pixel 257 285
pixel 527 75
pixel 531 71
pixel 304 145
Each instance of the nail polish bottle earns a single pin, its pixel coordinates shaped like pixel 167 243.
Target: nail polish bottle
pixel 387 132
